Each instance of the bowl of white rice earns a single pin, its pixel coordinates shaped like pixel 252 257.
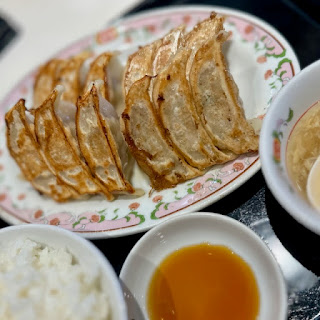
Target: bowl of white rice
pixel 51 273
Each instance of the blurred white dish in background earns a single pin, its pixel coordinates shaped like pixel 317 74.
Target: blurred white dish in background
pixel 44 27
pixel 196 228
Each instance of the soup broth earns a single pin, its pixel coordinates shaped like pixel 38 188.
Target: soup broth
pixel 303 148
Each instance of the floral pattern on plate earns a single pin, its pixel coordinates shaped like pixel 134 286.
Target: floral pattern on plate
pixel 255 55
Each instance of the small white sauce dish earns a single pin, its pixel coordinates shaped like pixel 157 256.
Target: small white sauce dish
pixel 285 111
pixel 85 253
pixel 197 228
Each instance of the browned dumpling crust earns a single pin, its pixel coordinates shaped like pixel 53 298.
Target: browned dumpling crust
pixel 59 153
pixel 45 81
pixel 98 71
pixel 174 105
pixel 140 64
pixel 26 152
pixel 68 76
pixel 217 100
pixel 98 144
pixel 148 142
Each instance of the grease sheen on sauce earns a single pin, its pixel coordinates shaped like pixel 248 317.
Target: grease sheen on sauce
pixel 203 282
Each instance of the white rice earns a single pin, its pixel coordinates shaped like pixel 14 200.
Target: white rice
pixel 38 282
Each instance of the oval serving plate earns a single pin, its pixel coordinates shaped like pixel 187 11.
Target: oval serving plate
pixel 260 60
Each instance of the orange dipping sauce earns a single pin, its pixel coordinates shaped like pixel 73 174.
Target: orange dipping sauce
pixel 203 282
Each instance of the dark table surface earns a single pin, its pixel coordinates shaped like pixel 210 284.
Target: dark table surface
pixel 253 203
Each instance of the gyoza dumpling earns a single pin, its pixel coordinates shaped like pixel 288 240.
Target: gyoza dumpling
pixel 173 101
pixel 45 81
pixel 68 76
pixel 101 142
pixel 168 48
pixel 59 154
pixel 140 64
pixel 217 100
pixel 98 71
pixel 25 150
pixel 148 143
pixel 150 59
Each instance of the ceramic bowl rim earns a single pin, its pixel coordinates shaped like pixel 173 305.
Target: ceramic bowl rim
pixel 250 234
pixel 298 208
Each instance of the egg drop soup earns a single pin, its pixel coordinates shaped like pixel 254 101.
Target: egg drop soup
pixel 203 282
pixel 303 148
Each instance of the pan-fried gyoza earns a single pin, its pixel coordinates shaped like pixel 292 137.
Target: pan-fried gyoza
pixel 182 114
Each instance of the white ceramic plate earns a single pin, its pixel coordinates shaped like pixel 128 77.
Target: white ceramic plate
pixel 197 228
pixel 261 61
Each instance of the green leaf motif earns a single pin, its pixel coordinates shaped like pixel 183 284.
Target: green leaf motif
pixel 209 179
pixel 102 218
pixel 153 213
pixel 282 73
pixel 285 60
pixel 275 134
pixel 114 218
pixel 189 184
pixel 280 55
pixel 270 48
pixel 102 211
pixel 115 210
pixel 166 206
pixel 189 190
pixel 140 216
pixel 290 116
pixel 78 222
pixel 263 38
pixel 127 218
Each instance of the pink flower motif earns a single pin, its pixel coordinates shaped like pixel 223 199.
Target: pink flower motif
pixel 1 167
pixel 151 28
pixel 134 206
pixel 107 35
pixel 186 19
pixel 197 187
pixel 261 116
pixel 238 166
pixel 268 74
pixel 128 39
pixel 21 196
pixel 157 199
pixel 54 222
pixel 230 34
pixel 38 214
pixel 261 59
pixel 24 90
pixel 95 218
pixel 248 29
pixel 2 196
